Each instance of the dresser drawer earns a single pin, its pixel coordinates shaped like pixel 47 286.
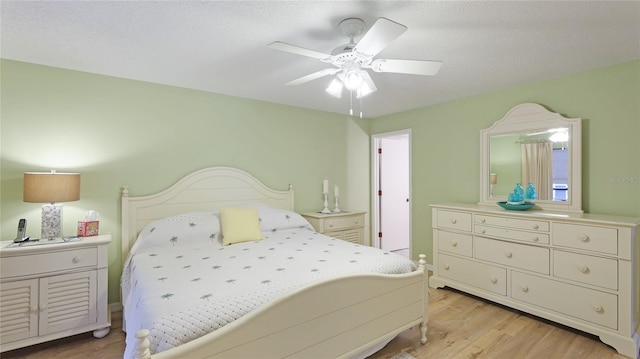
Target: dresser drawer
pixel 526 224
pixel 582 303
pixel 340 223
pixel 454 220
pixel 602 272
pixel 48 262
pixel 532 237
pixel 476 274
pixel 596 239
pixel 512 254
pixel 455 243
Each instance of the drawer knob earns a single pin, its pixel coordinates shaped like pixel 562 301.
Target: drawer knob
pixel 454 221
pixel 76 259
pixel 583 237
pixel 454 243
pixel 355 221
pixel 597 308
pixel 483 220
pixel 483 231
pixel 508 254
pixel 34 308
pixel 446 267
pixel 535 239
pixel 584 269
pixel 524 288
pixel 535 226
pixel 330 224
pixel 43 307
pixel 494 280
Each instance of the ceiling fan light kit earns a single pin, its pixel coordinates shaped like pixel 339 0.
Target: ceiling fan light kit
pixel 335 88
pixel 352 79
pixel 351 60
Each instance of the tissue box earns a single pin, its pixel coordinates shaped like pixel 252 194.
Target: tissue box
pixel 88 228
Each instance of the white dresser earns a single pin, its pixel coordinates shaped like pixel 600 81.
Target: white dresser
pixel 50 291
pixel 580 270
pixel 347 225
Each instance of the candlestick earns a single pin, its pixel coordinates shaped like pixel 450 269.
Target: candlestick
pixel 337 209
pixel 325 186
pixel 326 204
pixel 336 191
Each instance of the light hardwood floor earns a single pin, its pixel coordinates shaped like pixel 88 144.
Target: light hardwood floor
pixel 460 326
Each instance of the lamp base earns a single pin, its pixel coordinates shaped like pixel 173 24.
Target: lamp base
pixel 51 221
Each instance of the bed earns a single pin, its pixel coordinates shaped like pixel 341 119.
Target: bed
pixel 291 293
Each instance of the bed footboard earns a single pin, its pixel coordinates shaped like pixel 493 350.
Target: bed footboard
pixel 335 318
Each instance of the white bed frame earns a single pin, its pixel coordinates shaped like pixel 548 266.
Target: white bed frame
pixel 333 318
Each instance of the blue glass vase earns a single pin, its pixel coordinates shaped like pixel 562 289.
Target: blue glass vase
pixel 530 192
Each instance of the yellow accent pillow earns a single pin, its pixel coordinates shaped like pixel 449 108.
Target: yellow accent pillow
pixel 239 225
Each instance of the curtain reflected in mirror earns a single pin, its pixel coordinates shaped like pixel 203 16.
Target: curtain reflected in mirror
pixel 537 167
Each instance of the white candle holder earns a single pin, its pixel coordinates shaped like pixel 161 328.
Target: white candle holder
pixel 337 209
pixel 326 203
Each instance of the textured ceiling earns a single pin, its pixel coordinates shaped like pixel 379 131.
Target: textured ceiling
pixel 221 46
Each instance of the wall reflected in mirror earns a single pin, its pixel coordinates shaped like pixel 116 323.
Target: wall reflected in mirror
pixel 541 158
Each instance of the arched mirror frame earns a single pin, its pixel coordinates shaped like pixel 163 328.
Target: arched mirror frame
pixel 527 118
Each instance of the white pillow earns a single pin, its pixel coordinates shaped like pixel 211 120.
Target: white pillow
pixel 192 229
pixel 273 219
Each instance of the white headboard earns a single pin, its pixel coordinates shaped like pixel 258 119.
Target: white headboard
pixel 201 191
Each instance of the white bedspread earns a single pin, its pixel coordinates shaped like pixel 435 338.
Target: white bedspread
pixel 182 291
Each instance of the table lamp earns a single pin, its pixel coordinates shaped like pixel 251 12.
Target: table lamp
pixel 53 187
pixel 494 180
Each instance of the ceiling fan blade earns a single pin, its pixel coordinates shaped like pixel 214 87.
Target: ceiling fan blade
pixel 412 67
pixel 313 76
pixel 381 34
pixel 298 50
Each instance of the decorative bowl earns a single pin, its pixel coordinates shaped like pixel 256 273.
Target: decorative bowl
pixel 516 207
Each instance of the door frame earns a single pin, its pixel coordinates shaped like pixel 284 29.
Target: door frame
pixel 375 203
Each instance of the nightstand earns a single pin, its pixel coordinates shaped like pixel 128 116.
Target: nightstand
pixel 346 225
pixel 53 289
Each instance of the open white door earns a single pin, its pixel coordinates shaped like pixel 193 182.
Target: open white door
pixel 392 206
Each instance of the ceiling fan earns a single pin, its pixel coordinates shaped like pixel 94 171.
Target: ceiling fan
pixel 351 60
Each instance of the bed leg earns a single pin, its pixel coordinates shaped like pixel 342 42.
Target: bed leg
pixel 142 346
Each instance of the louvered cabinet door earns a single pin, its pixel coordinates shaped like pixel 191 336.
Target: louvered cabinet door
pixel 67 301
pixel 18 310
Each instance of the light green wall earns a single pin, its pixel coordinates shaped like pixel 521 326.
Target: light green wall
pixel 446 141
pixel 119 132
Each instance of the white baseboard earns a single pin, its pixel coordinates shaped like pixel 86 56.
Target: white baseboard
pixel 115 307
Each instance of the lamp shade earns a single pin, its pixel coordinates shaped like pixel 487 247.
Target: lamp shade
pixel 43 187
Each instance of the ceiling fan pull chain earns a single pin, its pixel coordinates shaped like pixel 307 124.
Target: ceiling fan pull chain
pixel 351 103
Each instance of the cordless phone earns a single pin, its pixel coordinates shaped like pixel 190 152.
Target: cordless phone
pixel 22 231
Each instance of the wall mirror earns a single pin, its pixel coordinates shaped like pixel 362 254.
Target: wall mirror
pixel 530 144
